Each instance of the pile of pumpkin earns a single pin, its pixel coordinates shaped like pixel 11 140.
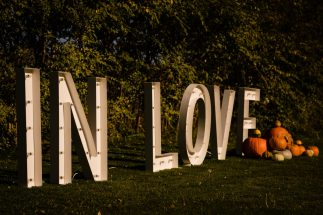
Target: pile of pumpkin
pixel 276 144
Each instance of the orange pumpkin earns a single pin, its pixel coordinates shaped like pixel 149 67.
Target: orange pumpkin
pixel 279 138
pixel 297 150
pixel 254 147
pixel 302 148
pixel 315 150
pixel 289 140
pixel 278 143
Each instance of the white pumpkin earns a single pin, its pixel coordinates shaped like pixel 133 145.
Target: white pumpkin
pixel 278 157
pixel 286 153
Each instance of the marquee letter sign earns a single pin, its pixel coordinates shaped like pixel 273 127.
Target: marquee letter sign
pixel 244 121
pixel 92 136
pixel 194 94
pixel 70 124
pixel 29 127
pixel 221 120
pixel 155 160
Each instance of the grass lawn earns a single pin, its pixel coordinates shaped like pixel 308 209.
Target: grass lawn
pixel 234 186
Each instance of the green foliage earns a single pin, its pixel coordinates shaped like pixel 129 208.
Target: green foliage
pixel 7 127
pixel 272 45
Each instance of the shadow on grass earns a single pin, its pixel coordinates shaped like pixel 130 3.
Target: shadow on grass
pixel 122 156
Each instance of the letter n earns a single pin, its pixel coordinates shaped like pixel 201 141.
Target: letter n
pixel 29 127
pixel 90 136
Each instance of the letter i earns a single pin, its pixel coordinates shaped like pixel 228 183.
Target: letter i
pixel 29 127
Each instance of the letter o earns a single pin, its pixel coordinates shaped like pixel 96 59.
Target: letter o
pixel 194 94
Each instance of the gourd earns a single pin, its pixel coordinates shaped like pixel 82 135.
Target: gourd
pixel 298 142
pixel 267 154
pixel 286 153
pixel 315 150
pixel 297 150
pixel 278 137
pixel 309 152
pixel 278 157
pixel 254 147
pixel 256 133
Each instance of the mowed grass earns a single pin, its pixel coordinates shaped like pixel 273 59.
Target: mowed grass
pixel 234 186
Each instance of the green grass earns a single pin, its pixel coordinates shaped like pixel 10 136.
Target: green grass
pixel 234 186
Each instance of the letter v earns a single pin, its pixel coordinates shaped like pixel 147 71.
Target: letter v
pixel 221 120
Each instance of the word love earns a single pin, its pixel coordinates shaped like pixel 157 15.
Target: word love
pixel 68 122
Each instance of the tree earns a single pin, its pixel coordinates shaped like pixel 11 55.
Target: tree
pixel 262 44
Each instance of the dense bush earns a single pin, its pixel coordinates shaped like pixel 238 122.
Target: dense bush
pixel 272 45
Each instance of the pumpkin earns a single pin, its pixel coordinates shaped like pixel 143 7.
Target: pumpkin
pixel 256 133
pixel 315 150
pixel 278 138
pixel 309 152
pixel 254 147
pixel 278 157
pixel 267 154
pixel 277 143
pixel 297 150
pixel 299 142
pixel 286 153
pixel 302 148
pixel 290 140
pixel 278 123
